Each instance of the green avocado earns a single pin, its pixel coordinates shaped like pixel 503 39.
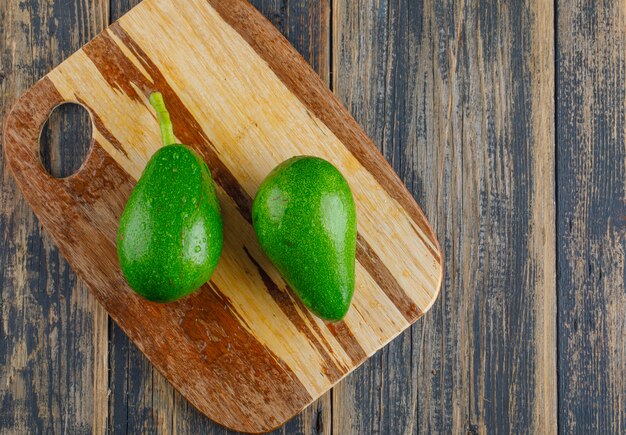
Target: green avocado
pixel 170 235
pixel 305 219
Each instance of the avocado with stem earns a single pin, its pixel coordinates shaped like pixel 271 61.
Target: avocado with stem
pixel 170 234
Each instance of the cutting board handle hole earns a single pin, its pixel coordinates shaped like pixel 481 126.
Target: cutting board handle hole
pixel 65 140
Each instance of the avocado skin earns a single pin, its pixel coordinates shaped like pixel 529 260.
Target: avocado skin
pixel 170 234
pixel 305 220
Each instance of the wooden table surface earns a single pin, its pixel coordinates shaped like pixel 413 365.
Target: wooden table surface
pixel 506 121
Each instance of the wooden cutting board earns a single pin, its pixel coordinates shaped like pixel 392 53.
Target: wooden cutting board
pixel 242 349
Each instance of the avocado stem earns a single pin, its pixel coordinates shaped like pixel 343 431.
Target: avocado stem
pixel 167 130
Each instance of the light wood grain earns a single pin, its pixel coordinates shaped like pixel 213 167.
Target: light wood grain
pixel 459 98
pixel 247 353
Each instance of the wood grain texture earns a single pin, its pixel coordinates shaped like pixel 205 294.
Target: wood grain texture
pixel 51 328
pixel 459 98
pixel 429 379
pixel 592 216
pixel 247 353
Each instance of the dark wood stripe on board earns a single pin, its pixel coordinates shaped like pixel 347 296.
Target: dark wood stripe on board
pixel 347 340
pixel 386 281
pixel 345 337
pixel 287 305
pixel 229 348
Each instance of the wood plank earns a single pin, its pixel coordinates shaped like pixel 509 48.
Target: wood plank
pixel 141 399
pixel 591 168
pixel 53 333
pixel 306 24
pixel 465 91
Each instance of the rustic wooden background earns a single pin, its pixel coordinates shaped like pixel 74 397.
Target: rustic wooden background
pixel 507 122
